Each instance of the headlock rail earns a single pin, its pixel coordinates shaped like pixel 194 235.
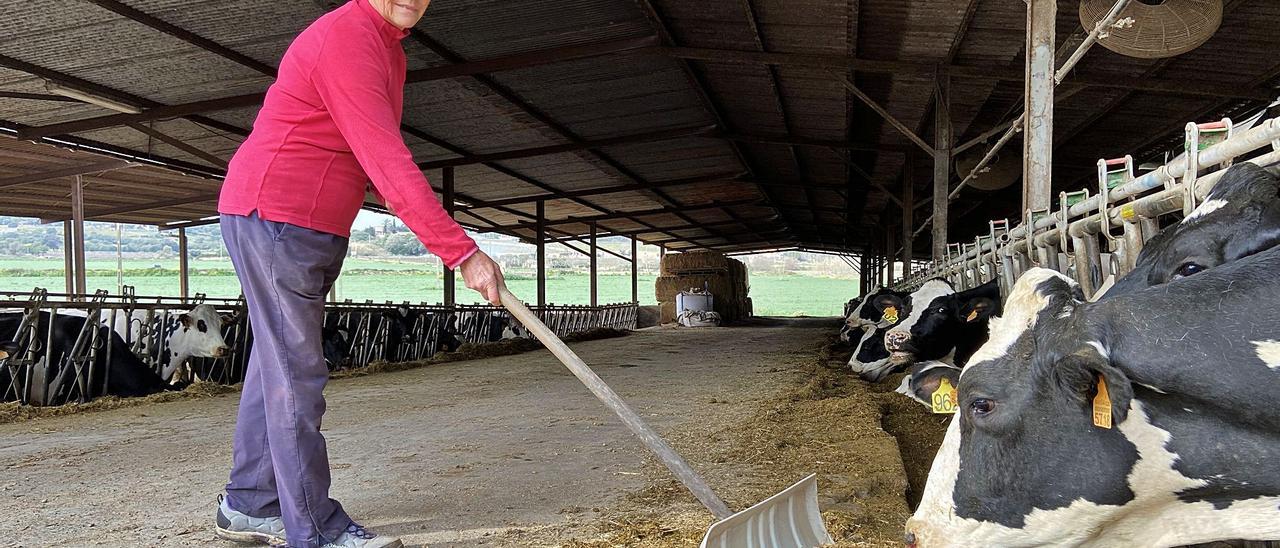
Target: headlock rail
pixel 1080 239
pixel 355 335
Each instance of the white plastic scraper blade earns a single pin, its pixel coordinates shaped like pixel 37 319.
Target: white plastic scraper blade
pixel 789 519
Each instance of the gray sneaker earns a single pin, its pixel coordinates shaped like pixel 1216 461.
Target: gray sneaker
pixel 237 527
pixel 358 537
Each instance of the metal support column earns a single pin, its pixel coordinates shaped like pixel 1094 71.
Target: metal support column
pixel 908 216
pixel 184 266
pixel 1037 142
pixel 541 221
pixel 450 285
pixel 941 167
pixel 68 264
pixel 889 248
pixel 595 285
pixel 635 272
pixel 77 242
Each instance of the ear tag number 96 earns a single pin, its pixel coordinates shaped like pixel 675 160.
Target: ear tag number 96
pixel 944 398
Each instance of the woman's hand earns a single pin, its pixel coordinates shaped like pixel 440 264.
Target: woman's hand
pixel 484 276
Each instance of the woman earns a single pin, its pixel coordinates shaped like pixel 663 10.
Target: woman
pixel 329 125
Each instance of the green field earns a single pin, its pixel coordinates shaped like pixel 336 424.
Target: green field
pixel 386 280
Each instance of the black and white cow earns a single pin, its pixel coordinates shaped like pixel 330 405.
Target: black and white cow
pixel 871 360
pixel 1192 369
pixel 127 376
pixel 196 333
pixel 951 328
pixel 335 344
pixel 1239 217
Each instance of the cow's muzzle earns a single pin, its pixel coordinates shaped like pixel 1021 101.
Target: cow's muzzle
pixel 894 340
pixel 221 352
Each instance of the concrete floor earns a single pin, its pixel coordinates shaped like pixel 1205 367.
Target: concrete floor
pixel 450 455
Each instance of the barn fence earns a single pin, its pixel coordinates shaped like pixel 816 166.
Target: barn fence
pixel 370 332
pixel 1094 236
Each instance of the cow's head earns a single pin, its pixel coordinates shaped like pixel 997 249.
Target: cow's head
pixel 1239 218
pixel 866 316
pixel 928 292
pixel 201 333
pixel 336 345
pixel 947 321
pixel 1023 462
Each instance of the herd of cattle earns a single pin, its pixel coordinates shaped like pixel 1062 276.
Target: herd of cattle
pixel 1148 417
pixel 126 362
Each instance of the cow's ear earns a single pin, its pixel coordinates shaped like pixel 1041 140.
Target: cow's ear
pixel 1081 375
pixel 977 309
pixel 926 383
pixel 1264 236
pixel 228 319
pixel 185 319
pixel 885 301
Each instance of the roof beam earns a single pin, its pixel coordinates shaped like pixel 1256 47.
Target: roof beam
pixel 96 167
pixel 184 35
pixel 157 112
pixel 630 215
pixel 459 68
pixel 725 177
pixel 702 90
pixel 520 103
pixel 569 147
pixel 928 71
pixel 180 145
pixel 791 140
pixel 910 135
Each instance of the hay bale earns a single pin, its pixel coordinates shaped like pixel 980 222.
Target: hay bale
pixel 674 264
pixel 667 312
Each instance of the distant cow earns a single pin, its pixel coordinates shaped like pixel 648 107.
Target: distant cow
pixel 1239 217
pixel 951 327
pixel 335 342
pixel 128 376
pixel 1147 419
pixel 871 360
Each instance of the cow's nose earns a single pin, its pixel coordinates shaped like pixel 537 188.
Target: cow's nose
pixel 220 352
pixel 895 339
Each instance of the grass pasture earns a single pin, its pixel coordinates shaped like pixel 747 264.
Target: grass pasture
pixel 401 280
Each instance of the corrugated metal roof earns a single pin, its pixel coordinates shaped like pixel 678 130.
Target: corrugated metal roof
pixel 802 193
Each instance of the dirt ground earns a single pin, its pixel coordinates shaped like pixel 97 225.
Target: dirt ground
pixel 507 451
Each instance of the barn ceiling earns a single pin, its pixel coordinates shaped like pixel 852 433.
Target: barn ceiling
pixel 731 125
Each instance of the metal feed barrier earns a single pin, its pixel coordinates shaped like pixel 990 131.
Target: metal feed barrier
pixel 1095 239
pixel 373 332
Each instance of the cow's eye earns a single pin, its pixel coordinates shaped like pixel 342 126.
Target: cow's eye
pixel 1188 269
pixel 942 311
pixel 981 407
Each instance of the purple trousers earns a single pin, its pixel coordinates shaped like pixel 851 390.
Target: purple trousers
pixel 280 465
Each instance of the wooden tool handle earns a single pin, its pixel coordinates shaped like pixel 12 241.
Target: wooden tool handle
pixel 606 395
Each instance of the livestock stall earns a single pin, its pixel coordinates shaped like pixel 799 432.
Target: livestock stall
pixel 40 369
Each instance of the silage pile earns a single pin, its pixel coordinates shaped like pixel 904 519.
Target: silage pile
pixel 829 422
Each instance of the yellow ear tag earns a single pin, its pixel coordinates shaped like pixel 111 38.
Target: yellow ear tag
pixel 3 354
pixel 1102 406
pixel 972 316
pixel 890 314
pixel 944 398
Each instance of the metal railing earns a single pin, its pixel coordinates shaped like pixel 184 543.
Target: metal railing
pixel 1080 240
pixel 79 367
